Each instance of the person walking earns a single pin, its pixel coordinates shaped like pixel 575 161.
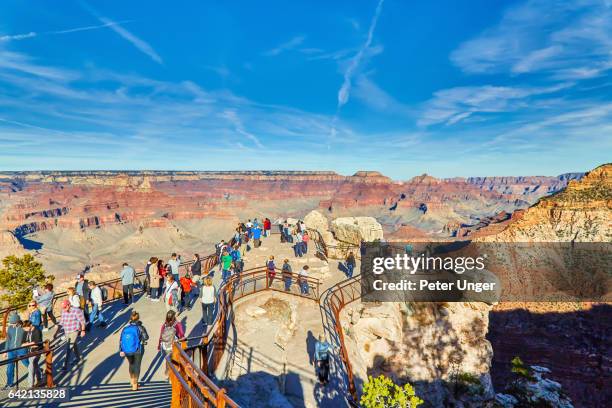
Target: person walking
pixel 97 299
pixel 33 341
pixel 75 300
pixel 303 280
pixel 14 339
pixel 209 296
pixel 175 264
pixel 270 270
pixel 171 294
pixel 322 350
pixel 45 304
pixel 133 338
pixel 171 331
pixel 286 273
pixel 73 324
pixel 128 275
pixel 34 315
pixel 350 264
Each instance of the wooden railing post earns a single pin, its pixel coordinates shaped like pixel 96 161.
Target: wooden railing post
pixel 176 385
pixel 5 322
pixel 48 364
pixel 204 356
pixel 221 398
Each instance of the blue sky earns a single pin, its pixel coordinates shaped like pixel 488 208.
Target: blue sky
pixel 448 88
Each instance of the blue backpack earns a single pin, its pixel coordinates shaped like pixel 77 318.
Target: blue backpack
pixel 130 339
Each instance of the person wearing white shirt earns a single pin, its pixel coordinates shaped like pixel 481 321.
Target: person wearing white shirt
pixel 96 305
pixel 208 302
pixel 303 281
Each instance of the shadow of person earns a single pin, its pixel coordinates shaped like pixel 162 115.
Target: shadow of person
pixel 311 340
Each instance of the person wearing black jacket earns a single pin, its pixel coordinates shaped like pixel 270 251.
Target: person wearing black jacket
pixel 196 270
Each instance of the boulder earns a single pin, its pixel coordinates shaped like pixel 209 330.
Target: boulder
pixel 356 229
pixel 316 221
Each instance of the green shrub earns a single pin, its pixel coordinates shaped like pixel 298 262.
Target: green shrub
pixel 381 392
pixel 19 276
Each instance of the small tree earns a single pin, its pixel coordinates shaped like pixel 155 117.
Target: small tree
pixel 381 392
pixel 18 276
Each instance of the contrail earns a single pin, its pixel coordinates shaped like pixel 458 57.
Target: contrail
pixel 345 89
pixel 32 34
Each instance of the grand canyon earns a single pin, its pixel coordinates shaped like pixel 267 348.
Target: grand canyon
pixel 93 221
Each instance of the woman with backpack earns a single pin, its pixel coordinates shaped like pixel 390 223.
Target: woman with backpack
pixel 171 331
pixel 134 336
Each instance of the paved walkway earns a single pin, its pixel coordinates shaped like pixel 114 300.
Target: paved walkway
pixel 102 380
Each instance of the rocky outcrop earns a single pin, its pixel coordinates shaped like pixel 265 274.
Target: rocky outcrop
pixel 582 212
pixel 355 230
pixel 430 345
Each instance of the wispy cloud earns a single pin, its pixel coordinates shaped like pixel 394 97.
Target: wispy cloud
pixel 567 40
pixel 286 46
pixel 233 117
pixel 453 105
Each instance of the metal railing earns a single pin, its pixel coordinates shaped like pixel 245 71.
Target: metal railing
pixel 338 296
pixel 208 348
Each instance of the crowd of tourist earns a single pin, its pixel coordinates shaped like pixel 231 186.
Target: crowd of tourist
pixel 82 310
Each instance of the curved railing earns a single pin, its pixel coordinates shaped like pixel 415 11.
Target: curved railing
pixel 336 298
pixel 196 358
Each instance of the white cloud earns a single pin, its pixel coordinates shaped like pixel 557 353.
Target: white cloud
pixel 376 98
pixel 286 46
pixel 453 105
pixel 568 40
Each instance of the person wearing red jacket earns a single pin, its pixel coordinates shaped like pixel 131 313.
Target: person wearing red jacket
pixel 186 284
pixel 267 224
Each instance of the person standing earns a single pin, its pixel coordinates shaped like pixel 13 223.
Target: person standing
pixel 186 285
pixel 171 331
pixel 161 273
pixel 73 323
pixel 75 300
pixel 256 236
pixel 45 304
pixel 14 339
pixel 171 294
pixel 147 281
pixel 286 272
pixel 237 258
pixel 270 270
pixel 226 265
pixel 96 305
pixel 303 280
pixel 128 275
pixel 155 280
pixel 82 289
pixel 196 270
pixel 305 239
pixel 209 296
pixel 267 225
pixel 34 315
pixel 33 340
pixel 350 264
pixel 133 338
pixel 175 264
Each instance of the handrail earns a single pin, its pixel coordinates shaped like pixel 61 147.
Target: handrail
pixel 47 350
pixel 338 297
pixel 212 343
